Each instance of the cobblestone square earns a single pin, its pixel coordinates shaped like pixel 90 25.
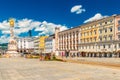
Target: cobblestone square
pixel 33 69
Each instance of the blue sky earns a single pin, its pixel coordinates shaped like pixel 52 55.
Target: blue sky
pixel 47 14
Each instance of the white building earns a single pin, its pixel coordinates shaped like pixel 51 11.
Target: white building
pixel 36 41
pixel 25 45
pixel 50 44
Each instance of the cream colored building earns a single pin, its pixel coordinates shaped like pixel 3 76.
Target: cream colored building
pixel 25 45
pixel 36 45
pixel 57 30
pixel 68 41
pixel 100 38
pixel 107 42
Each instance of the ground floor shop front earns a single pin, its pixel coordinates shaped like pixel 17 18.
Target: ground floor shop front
pixel 88 54
pixel 100 54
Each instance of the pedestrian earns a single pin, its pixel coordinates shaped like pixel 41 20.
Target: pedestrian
pixel 40 58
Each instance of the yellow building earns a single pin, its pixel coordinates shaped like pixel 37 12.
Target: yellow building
pixel 89 33
pixel 42 43
pixel 100 38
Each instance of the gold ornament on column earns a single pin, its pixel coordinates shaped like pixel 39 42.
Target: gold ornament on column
pixel 11 21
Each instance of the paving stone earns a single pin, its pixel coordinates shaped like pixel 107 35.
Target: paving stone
pixel 33 69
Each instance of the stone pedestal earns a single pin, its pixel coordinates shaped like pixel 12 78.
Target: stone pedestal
pixel 12 48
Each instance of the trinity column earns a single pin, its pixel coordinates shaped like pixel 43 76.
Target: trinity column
pixel 12 45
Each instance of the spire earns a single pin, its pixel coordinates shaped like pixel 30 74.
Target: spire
pixel 30 33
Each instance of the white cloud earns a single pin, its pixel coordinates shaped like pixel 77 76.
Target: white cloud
pixel 21 26
pixel 4 39
pixel 49 28
pixel 77 9
pixel 24 25
pixel 95 17
pixel 4 25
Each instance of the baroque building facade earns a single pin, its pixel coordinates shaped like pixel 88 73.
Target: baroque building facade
pixel 50 44
pixel 36 41
pixel 98 38
pixel 25 45
pixel 42 44
pixel 68 41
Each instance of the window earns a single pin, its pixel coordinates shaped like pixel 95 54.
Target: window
pixel 119 45
pixel 115 46
pixel 95 31
pixel 91 32
pixel 83 47
pixel 98 46
pixel 81 34
pixel 91 39
pixel 118 36
pixel 73 47
pixel 103 46
pixel 87 33
pixel 100 31
pixel 87 39
pixel 109 46
pixel 81 40
pixel 100 24
pixel 95 39
pixel 110 37
pixel 105 22
pixel 100 38
pixel 84 40
pixel 111 21
pixel 105 38
pixel 80 47
pixel 119 22
pixel 84 33
pixel 110 29
pixel 105 30
pixel 119 28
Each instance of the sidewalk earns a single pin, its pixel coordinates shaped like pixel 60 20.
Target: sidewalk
pixel 110 62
